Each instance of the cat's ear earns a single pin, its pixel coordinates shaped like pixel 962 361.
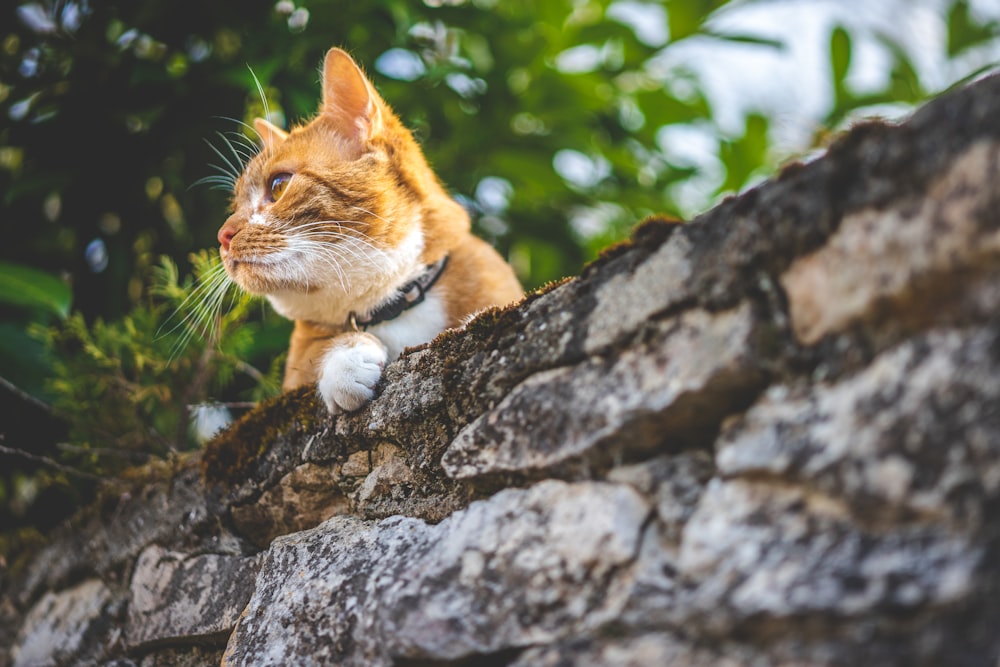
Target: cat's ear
pixel 349 100
pixel 270 134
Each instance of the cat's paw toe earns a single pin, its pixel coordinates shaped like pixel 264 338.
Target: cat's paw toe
pixel 350 372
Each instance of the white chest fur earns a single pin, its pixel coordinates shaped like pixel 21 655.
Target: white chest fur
pixel 352 279
pixel 417 325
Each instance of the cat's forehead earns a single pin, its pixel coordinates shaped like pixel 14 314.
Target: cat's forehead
pixel 306 145
pixel 317 142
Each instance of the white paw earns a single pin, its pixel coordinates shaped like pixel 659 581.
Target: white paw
pixel 350 371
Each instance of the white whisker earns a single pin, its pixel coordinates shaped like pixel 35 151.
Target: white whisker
pixel 347 246
pixel 349 232
pixel 263 101
pixel 327 254
pixel 243 124
pixel 227 168
pixel 202 308
pixel 240 164
pixel 374 215
pixel 241 145
pixel 217 182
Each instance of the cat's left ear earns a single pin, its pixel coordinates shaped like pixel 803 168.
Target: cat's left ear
pixel 270 134
pixel 349 100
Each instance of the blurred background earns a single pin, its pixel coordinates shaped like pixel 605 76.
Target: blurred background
pixel 559 124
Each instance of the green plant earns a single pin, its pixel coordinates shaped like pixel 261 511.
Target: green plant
pixel 131 385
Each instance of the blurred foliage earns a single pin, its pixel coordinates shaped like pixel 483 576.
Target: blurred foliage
pixel 129 385
pixel 545 118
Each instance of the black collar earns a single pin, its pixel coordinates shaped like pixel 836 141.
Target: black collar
pixel 406 297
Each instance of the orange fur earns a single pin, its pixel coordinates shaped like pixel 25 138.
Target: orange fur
pixel 360 215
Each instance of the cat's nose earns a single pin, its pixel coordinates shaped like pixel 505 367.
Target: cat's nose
pixel 226 235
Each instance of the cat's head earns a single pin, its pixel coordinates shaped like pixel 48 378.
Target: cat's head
pixel 342 204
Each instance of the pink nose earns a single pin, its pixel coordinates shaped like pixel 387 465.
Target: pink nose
pixel 226 235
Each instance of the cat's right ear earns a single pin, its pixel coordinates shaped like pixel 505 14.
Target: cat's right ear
pixel 270 134
pixel 349 100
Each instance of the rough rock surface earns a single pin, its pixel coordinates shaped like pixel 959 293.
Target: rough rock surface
pixel 769 436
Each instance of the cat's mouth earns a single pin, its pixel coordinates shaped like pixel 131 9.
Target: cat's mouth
pixel 236 267
pixel 245 271
pixel 233 259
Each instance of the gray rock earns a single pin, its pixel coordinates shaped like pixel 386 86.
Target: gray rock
pixel 808 557
pixel 641 651
pixel 915 436
pixel 670 390
pixel 65 627
pixel 303 498
pixel 177 595
pixel 509 571
pixel 189 656
pixel 890 251
pixel 674 483
pixel 628 300
pixel 169 509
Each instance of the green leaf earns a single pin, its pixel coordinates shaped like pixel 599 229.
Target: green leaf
pixel 904 82
pixel 744 156
pixel 963 32
pixel 755 40
pixel 22 358
pixel 24 286
pixel 685 17
pixel 840 60
pixel 660 108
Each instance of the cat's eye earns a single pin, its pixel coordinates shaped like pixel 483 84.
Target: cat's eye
pixel 278 184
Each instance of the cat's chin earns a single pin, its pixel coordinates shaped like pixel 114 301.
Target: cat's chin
pixel 264 280
pixel 324 305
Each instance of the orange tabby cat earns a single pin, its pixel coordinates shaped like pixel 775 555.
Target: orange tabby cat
pixel 344 227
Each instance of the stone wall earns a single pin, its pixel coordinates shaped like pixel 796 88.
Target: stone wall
pixel 768 436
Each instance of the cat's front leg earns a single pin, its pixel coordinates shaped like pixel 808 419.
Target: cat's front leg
pixel 349 371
